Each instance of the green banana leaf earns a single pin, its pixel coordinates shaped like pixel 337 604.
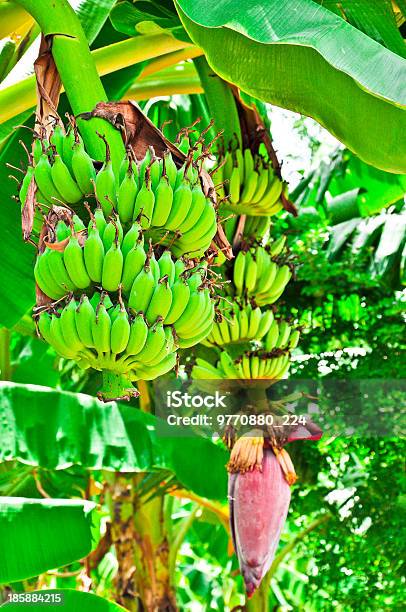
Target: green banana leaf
pixel 56 429
pixel 380 189
pixel 303 57
pixel 376 19
pixel 93 15
pixel 37 535
pixel 17 292
pixel 73 601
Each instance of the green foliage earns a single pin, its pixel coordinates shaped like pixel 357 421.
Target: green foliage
pixel 31 535
pixel 75 429
pixel 293 64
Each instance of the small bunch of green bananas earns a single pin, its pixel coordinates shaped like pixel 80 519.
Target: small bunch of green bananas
pixel 251 186
pixel 241 323
pixel 166 199
pixel 280 336
pixel 257 275
pixel 252 365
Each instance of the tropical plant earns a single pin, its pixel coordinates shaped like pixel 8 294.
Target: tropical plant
pixel 101 502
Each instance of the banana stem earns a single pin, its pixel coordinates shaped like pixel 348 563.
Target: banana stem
pixel 77 70
pixel 221 102
pixel 21 96
pixel 5 365
pixel 116 386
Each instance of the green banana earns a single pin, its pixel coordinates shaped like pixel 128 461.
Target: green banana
pixel 235 184
pixel 255 320
pixel 239 271
pixel 272 337
pixel 93 252
pixel 43 179
pixel 167 267
pixel 120 332
pixel 163 203
pixel 127 193
pixel 112 267
pixel 64 182
pixel 180 299
pixel 102 329
pixel 106 186
pixel 68 143
pixel 131 238
pixel 133 264
pixel 161 301
pixel 250 277
pixel 169 169
pixel 85 319
pixel 83 168
pixel 68 327
pixel 265 324
pixel 138 335
pixel 182 200
pixel 142 290
pixel 197 206
pixel 75 263
pixel 154 344
pixel 144 205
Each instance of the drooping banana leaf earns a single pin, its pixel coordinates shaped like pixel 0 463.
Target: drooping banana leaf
pixel 300 56
pixel 41 534
pixel 56 429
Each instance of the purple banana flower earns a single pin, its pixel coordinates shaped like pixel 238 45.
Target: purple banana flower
pixel 259 499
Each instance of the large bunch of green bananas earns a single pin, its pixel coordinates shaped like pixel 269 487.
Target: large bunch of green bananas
pixel 105 337
pixel 108 259
pixel 169 201
pixel 256 274
pixel 251 186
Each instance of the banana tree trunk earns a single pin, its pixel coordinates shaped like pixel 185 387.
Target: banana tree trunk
pixel 139 534
pixel 77 70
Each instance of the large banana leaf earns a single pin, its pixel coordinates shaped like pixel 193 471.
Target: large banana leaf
pixel 55 429
pixel 41 534
pixel 17 292
pixel 72 601
pixel 301 56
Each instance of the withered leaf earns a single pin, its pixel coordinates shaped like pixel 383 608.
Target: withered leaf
pixel 138 131
pixel 48 87
pixel 28 211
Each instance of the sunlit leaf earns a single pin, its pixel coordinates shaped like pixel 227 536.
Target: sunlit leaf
pixel 38 535
pixel 284 52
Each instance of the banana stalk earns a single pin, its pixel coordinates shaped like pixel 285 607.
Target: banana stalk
pixel 77 70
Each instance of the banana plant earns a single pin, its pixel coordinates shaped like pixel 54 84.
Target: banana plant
pixel 125 50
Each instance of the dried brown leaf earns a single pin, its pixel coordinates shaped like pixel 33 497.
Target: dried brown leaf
pixel 48 86
pixel 28 211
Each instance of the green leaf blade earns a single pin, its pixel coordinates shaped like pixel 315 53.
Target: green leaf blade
pixel 38 535
pixel 362 110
